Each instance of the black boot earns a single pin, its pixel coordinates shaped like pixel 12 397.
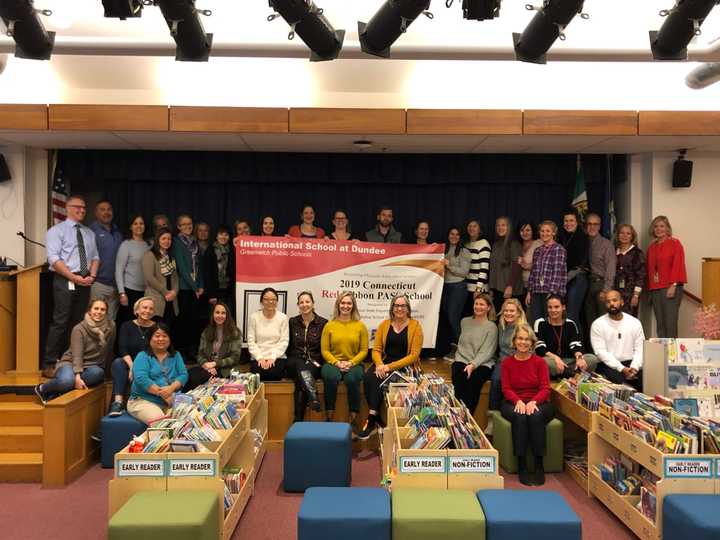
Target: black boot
pixel 307 384
pixel 523 473
pixel 539 476
pixel 300 404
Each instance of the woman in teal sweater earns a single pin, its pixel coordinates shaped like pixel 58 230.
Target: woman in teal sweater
pixel 158 372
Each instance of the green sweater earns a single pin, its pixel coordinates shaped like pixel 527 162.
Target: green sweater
pixel 228 355
pixel 478 342
pixel 344 340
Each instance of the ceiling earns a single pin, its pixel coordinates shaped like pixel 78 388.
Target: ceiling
pixel 344 143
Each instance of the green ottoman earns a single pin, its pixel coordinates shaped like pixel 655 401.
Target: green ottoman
pixel 429 514
pixel 502 441
pixel 167 515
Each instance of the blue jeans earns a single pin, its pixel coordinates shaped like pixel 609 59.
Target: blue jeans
pixel 576 290
pixel 64 379
pixel 451 306
pixel 120 374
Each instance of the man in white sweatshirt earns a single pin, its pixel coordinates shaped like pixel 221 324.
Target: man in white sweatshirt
pixel 617 339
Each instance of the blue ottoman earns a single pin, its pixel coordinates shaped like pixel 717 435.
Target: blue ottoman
pixel 116 432
pixel 543 515
pixel 317 454
pixel 691 516
pixel 344 512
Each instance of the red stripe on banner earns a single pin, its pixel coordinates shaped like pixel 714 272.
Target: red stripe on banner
pixel 263 260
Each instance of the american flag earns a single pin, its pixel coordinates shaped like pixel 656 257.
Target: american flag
pixel 58 197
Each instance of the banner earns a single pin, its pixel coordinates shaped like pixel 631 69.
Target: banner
pixel 374 272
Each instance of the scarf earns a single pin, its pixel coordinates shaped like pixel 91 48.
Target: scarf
pixel 192 246
pixel 167 265
pixel 101 330
pixel 222 253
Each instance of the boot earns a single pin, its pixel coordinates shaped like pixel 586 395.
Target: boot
pixel 300 404
pixel 523 473
pixel 307 383
pixel 539 476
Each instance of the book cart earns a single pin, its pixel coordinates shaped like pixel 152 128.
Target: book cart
pixel 472 469
pixel 198 471
pixel 573 413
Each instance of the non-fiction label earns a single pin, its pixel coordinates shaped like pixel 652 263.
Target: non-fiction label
pixel 192 467
pixel 140 467
pixel 418 464
pixel 688 468
pixel 472 464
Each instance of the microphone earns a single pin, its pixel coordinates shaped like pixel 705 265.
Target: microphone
pixel 30 240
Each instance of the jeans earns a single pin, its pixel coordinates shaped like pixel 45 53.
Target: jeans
pixel 528 431
pixel 120 375
pixel 332 376
pixel 451 306
pixel 64 379
pixel 576 289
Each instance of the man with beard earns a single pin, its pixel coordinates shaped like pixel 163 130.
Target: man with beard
pixel 384 230
pixel 617 339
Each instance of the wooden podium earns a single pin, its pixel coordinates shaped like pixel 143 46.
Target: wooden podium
pixel 20 297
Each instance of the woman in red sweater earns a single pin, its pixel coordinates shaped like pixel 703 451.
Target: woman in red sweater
pixel 526 389
pixel 666 276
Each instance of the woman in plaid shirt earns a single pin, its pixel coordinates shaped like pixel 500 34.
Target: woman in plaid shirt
pixel 548 274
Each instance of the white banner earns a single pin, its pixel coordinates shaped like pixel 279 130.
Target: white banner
pixel 374 272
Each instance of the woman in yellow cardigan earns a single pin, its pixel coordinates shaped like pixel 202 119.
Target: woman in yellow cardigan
pixel 398 341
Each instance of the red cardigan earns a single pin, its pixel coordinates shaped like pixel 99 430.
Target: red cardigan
pixel 665 264
pixel 525 380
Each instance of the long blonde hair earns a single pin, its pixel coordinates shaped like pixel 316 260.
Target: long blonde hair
pixel 355 314
pixel 665 220
pixel 521 313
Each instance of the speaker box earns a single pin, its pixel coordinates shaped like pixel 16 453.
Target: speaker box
pixel 682 173
pixel 4 171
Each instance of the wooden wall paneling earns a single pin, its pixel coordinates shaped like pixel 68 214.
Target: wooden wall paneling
pixel 348 121
pixel 7 324
pixel 229 119
pixel 679 123
pixel 464 122
pixel 109 117
pixel 24 117
pixel 546 122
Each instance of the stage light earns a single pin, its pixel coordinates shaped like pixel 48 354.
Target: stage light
pixel 390 21
pixel 124 9
pixel 546 26
pixel 479 10
pixel 24 26
pixel 193 44
pixel 704 75
pixel 307 21
pixel 682 24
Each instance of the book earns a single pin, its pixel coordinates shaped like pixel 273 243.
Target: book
pixel 688 406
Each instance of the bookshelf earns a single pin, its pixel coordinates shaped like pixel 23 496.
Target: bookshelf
pixel 198 471
pixel 678 473
pixel 573 413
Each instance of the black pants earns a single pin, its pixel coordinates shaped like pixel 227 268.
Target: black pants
pixel 187 327
pixel 293 367
pixel 528 430
pixel 373 392
pixel 275 373
pixel 197 375
pixel 468 390
pixel 615 376
pixel 68 309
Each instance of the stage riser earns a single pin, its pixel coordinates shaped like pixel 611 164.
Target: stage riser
pixel 21 439
pixel 21 467
pixel 20 414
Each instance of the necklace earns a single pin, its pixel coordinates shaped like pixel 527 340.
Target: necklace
pixel 558 336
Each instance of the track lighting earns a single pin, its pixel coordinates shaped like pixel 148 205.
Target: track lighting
pixel 390 21
pixel 307 21
pixel 124 9
pixel 21 19
pixel 546 26
pixel 193 44
pixel 681 25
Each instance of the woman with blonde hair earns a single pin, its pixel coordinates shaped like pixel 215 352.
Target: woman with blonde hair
pixel 630 271
pixel 344 346
pixel 511 315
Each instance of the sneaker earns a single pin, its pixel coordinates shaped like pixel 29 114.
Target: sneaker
pixel 116 408
pixel 97 436
pixel 368 430
pixel 40 395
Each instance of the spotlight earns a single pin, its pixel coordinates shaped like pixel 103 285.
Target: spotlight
pixel 682 24
pixel 546 26
pixel 24 26
pixel 193 44
pixel 308 21
pixel 390 21
pixel 124 9
pixel 479 10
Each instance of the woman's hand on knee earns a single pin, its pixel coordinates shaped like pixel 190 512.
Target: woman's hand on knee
pixel 520 407
pixel 531 408
pixel 79 383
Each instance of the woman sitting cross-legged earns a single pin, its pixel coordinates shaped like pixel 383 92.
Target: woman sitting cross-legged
pixel 82 366
pixel 132 339
pixel 398 342
pixel 220 347
pixel 158 372
pixel 526 388
pixel 268 337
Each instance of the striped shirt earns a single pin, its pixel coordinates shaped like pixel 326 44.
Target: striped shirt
pixel 477 278
pixel 549 270
pixel 563 340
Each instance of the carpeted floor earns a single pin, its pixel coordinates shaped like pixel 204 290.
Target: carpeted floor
pixel 79 511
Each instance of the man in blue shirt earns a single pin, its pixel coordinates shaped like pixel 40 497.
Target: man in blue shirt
pixel 108 240
pixel 73 257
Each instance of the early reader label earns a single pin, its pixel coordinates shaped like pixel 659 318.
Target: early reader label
pixel 141 467
pixel 192 467
pixel 688 468
pixel 472 464
pixel 410 464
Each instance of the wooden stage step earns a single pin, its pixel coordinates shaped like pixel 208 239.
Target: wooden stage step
pixel 21 467
pixel 21 413
pixel 21 439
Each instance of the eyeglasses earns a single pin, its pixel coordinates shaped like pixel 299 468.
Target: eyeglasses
pixel 270 300
pixel 400 306
pixel 80 206
pixel 593 224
